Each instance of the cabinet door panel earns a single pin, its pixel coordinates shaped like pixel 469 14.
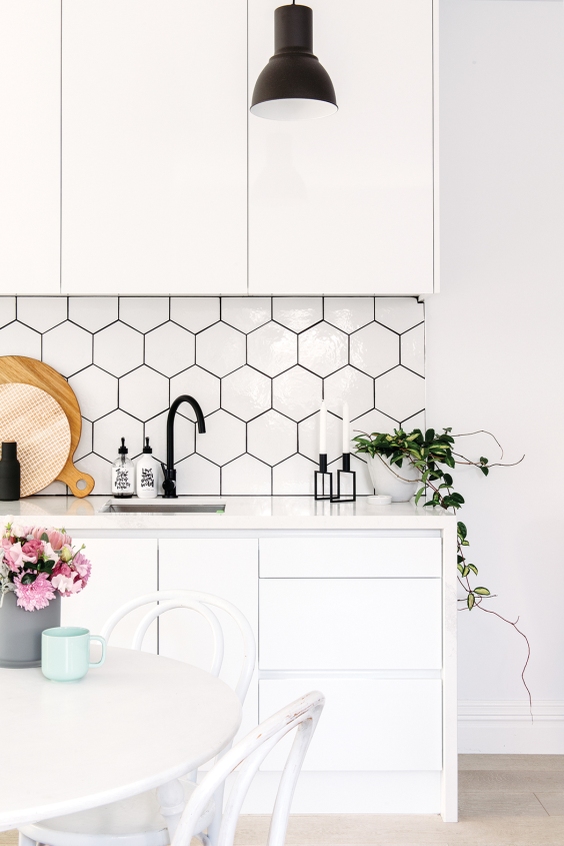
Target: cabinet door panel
pixel 155 147
pixel 361 624
pixel 345 203
pixel 367 724
pixel 349 558
pixel 30 148
pixel 122 569
pixel 227 568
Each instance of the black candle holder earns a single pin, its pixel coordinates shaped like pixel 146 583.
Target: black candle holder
pixel 323 481
pixel 346 482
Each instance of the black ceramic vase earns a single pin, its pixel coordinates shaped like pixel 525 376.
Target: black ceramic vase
pixel 9 471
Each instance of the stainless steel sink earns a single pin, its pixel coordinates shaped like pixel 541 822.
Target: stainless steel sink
pixel 161 506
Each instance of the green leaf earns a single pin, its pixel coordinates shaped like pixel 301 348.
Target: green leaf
pixel 470 600
pixel 461 529
pixel 430 435
pixel 482 591
pixel 459 559
pixel 465 572
pixel 474 569
pixel 45 537
pixel 418 495
pixel 485 470
pixel 460 568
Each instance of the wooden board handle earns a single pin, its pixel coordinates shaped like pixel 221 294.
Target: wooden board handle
pixel 71 476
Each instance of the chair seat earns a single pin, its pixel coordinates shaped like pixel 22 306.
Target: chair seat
pixel 136 821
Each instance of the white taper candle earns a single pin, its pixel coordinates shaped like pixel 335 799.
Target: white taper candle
pixel 323 429
pixel 346 428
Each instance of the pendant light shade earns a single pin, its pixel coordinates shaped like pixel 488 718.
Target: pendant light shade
pixel 293 85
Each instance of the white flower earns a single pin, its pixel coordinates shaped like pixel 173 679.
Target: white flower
pixel 18 530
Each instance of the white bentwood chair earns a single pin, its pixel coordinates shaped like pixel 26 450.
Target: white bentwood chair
pixel 138 821
pixel 248 755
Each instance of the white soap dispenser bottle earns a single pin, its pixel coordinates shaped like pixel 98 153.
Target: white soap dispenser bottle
pixel 146 473
pixel 123 479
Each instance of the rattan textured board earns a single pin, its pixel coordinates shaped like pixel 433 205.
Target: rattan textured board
pixel 38 424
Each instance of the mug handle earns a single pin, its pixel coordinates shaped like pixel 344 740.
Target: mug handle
pixel 103 658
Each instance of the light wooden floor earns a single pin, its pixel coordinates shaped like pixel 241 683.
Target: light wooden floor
pixel 505 800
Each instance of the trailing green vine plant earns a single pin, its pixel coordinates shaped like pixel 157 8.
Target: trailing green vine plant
pixel 434 456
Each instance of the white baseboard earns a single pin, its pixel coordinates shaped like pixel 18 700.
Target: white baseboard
pixel 505 727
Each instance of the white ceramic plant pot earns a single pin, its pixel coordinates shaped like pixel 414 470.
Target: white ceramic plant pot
pixel 385 480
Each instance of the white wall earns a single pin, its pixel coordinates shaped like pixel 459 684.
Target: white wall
pixel 495 347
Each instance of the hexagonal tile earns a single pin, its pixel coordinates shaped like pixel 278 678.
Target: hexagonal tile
pixel 143 393
pixel 67 348
pixel 197 476
pixel 93 313
pixel 143 313
pixel 194 313
pixel 169 349
pixel 374 349
pixel 118 349
pixel 17 339
pixel 100 469
pixel 272 349
pixel 109 430
pixel 400 393
pixel 199 384
pixel 297 393
pixel 293 476
pixel 323 349
pixel 374 421
pixel 96 392
pixel 308 437
pixel 224 439
pixel 245 313
pixel 352 386
pixel 416 421
pixel 398 313
pixel 42 313
pixel 272 437
pixel 349 313
pixel 413 349
pixel 246 475
pixel 297 313
pixel 184 436
pixel 85 443
pixel 7 310
pixel 220 349
pixel 246 393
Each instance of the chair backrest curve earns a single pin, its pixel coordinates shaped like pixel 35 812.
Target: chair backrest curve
pixel 248 754
pixel 195 600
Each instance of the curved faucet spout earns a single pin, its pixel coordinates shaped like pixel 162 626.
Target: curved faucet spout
pixel 169 484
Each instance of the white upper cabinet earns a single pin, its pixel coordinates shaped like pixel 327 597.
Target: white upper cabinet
pixel 345 204
pixel 30 71
pixel 154 145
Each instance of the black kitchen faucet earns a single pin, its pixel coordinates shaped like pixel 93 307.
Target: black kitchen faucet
pixel 169 484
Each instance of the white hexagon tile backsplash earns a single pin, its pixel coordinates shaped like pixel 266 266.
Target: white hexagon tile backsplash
pixel 258 366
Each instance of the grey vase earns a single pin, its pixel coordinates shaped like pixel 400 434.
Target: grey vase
pixel 20 631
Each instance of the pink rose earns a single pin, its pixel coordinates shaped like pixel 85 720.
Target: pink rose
pixel 13 556
pixel 61 569
pixel 32 549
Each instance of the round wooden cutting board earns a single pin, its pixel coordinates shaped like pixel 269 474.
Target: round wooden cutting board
pixel 38 424
pixel 49 424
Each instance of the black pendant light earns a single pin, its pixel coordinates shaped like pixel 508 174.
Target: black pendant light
pixel 293 85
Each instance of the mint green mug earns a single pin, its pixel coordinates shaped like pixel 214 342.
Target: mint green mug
pixel 65 653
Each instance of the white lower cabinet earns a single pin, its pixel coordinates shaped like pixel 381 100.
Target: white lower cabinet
pixel 122 569
pixel 366 725
pixel 227 568
pixel 361 618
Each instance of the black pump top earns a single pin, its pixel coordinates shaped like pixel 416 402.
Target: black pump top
pixel 123 450
pixel 147 448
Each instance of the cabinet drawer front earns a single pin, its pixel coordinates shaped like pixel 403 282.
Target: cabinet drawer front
pixel 303 558
pixel 361 624
pixel 367 724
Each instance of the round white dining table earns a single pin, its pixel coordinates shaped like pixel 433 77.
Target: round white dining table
pixel 139 721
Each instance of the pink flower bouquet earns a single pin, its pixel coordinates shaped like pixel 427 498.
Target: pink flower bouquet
pixel 37 563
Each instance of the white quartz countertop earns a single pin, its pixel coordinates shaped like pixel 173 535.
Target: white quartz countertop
pixel 241 513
